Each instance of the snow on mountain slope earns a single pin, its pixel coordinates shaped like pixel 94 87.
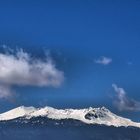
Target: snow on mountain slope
pixel 89 115
pixel 17 112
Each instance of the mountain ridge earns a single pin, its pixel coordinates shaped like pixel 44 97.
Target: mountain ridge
pixel 90 115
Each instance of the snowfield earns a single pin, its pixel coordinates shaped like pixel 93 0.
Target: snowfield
pixel 89 115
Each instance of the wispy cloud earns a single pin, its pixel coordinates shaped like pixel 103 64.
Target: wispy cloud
pixel 103 60
pixel 124 103
pixel 129 63
pixel 5 91
pixel 21 69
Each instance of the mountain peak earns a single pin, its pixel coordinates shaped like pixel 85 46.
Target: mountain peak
pixel 104 108
pixel 89 116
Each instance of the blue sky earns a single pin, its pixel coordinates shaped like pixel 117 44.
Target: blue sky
pixel 76 33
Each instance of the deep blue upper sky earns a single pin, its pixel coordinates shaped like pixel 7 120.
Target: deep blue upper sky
pixel 76 32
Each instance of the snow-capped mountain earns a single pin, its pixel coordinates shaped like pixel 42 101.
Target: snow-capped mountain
pixel 89 116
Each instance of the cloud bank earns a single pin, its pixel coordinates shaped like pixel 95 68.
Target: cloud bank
pixel 103 60
pixel 20 69
pixel 124 103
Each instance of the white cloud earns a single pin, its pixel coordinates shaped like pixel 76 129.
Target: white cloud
pixel 103 60
pixel 124 103
pixel 21 69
